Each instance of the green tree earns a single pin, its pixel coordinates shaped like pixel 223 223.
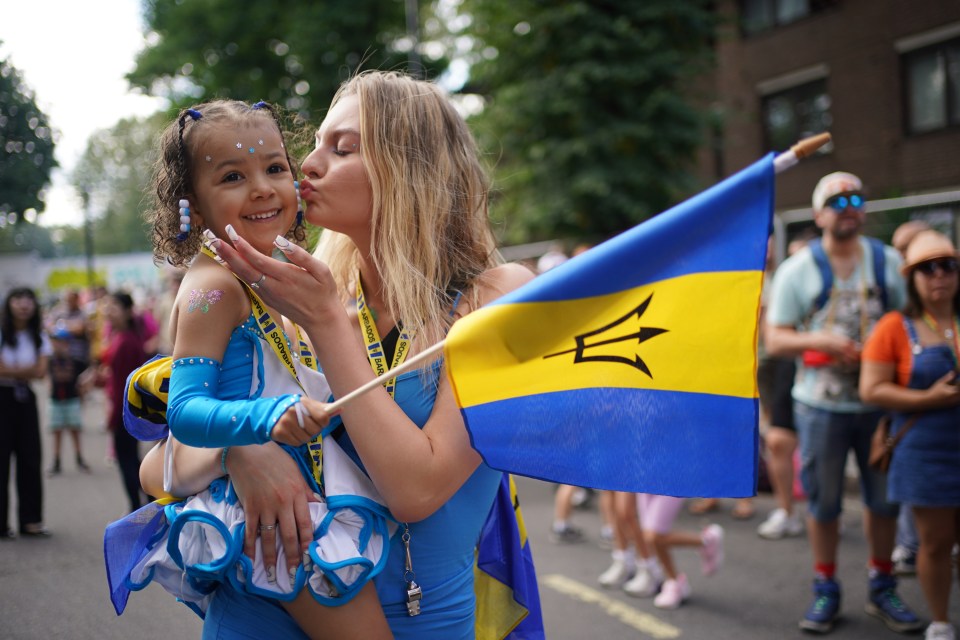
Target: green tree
pixel 591 113
pixel 26 156
pixel 295 55
pixel 113 176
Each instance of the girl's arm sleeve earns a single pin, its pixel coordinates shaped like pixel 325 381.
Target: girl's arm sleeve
pixel 198 418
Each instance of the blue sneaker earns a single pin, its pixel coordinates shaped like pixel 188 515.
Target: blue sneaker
pixel 884 603
pixel 825 608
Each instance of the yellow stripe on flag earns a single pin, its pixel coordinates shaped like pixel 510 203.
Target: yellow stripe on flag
pixel 706 341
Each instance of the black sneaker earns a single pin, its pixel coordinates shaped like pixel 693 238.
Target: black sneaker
pixel 54 470
pixel 566 535
pixel 83 466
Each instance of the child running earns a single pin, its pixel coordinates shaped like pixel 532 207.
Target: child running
pixel 657 515
pixel 240 377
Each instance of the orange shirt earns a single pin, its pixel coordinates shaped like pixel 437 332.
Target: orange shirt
pixel 890 344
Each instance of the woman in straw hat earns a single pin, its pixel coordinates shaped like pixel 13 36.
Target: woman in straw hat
pixel 910 367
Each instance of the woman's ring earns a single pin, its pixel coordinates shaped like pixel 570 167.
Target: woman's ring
pixel 267 527
pixel 256 285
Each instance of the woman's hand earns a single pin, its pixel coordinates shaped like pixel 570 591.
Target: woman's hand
pixel 272 492
pixel 944 392
pixel 309 279
pixel 301 423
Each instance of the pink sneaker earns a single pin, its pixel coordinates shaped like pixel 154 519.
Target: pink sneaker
pixel 711 553
pixel 673 593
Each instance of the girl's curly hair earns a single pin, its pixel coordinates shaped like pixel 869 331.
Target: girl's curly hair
pixel 172 177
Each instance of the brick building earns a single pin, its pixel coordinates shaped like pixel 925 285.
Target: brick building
pixel 883 76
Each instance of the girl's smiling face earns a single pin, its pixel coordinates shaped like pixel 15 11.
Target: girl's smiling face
pixel 241 177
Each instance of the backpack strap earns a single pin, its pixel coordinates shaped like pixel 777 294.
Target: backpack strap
pixel 826 273
pixel 879 269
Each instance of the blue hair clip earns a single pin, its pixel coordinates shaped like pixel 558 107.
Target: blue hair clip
pixel 260 105
pixel 193 113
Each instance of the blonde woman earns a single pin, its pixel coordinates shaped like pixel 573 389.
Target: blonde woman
pixel 396 183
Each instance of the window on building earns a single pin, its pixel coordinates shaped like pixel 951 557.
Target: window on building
pixel 932 85
pixel 796 113
pixel 761 15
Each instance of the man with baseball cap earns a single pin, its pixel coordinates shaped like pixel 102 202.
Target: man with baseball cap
pixel 825 300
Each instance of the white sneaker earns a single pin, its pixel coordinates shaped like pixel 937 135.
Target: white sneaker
pixel 780 525
pixel 617 573
pixel 646 582
pixel 673 593
pixel 940 631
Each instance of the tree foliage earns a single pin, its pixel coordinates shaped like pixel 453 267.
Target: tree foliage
pixel 590 109
pixel 26 155
pixel 114 178
pixel 294 55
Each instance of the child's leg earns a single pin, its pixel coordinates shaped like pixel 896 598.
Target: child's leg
pixel 659 513
pixel 57 441
pixel 629 522
pixel 359 619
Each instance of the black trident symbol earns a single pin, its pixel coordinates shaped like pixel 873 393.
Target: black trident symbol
pixel 644 334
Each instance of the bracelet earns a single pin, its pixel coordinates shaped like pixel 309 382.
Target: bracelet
pixel 223 461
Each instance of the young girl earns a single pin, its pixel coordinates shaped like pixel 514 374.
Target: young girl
pixel 237 379
pixel 657 515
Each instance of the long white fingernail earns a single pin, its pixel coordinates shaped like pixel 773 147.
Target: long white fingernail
pixel 231 233
pixel 283 244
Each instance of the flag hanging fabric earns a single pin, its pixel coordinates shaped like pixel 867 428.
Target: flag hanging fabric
pixel 505 580
pixel 631 367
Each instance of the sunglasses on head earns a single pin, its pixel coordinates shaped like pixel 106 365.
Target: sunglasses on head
pixel 840 203
pixel 947 265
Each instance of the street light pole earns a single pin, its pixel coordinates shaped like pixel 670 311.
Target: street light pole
pixel 87 234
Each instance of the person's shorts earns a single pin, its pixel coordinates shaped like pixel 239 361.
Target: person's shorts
pixel 65 414
pixel 775 382
pixel 826 438
pixel 657 513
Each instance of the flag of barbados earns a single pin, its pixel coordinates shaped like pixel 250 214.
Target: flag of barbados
pixel 631 367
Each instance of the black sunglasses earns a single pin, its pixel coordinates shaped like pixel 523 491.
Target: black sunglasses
pixel 947 265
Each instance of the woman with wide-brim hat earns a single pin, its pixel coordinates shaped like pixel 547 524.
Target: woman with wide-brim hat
pixel 910 368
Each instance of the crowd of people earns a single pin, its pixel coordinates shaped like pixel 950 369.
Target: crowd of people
pixel 851 330
pixel 70 347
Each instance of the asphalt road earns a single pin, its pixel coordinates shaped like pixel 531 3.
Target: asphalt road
pixel 56 588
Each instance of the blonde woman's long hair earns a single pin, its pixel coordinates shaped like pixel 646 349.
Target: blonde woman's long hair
pixel 431 235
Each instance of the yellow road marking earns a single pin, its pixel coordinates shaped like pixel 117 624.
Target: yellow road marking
pixel 642 622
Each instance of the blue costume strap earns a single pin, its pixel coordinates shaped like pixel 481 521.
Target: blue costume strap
pixel 199 419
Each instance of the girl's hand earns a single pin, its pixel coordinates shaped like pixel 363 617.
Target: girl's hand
pixel 301 423
pixel 272 492
pixel 303 290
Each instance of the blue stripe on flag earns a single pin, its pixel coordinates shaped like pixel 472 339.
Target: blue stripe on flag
pixel 638 440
